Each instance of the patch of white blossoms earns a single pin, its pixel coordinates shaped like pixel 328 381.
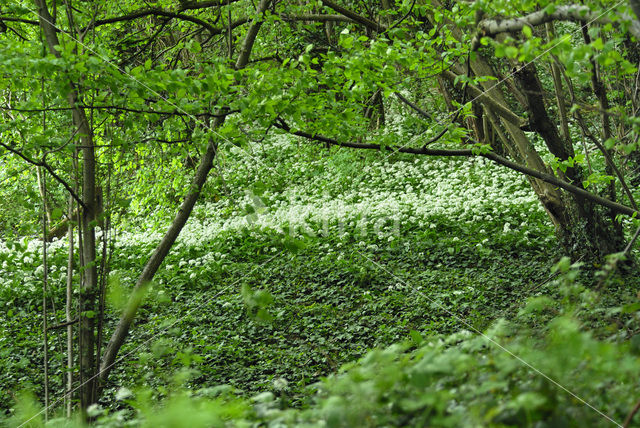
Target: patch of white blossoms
pixel 347 193
pixel 344 193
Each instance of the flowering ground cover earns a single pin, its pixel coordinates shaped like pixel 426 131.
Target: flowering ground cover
pixel 302 266
pixel 300 260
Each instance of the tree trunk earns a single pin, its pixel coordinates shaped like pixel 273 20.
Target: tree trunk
pixel 122 329
pixel 557 84
pixel 42 181
pixel 68 304
pixel 86 304
pixel 580 225
pixel 585 231
pixel 42 190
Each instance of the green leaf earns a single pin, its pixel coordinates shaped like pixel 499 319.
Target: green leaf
pixel 598 44
pixel 56 213
pixel 511 52
pixel 631 308
pixel 346 42
pixel 416 337
pixel 264 316
pixel 562 266
pixel 537 304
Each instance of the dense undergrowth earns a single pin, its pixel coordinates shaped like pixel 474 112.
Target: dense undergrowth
pixel 304 260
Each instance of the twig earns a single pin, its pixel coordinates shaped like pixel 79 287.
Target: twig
pixel 49 169
pixel 406 15
pixel 64 324
pixel 412 105
pixel 611 267
pixel 627 421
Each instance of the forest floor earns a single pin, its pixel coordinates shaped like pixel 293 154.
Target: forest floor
pixel 315 258
pixel 295 264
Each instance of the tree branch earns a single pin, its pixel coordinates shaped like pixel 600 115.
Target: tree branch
pixel 629 418
pixel 21 20
pixel 161 12
pixel 64 324
pixel 153 264
pixel 118 108
pixel 317 17
pixel 413 106
pixel 48 168
pixel 622 209
pixel 575 13
pixel 192 5
pixel 354 16
pixel 484 97
pixel 140 14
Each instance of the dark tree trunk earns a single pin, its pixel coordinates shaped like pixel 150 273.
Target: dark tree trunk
pixel 584 230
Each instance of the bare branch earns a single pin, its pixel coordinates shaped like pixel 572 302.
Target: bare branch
pixel 317 17
pixel 117 108
pixel 622 209
pixel 161 12
pixel 574 13
pixel 64 324
pixel 21 20
pixel 141 13
pixel 192 5
pixel 375 26
pixel 48 168
pixel 413 106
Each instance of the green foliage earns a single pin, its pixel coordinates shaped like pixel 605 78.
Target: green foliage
pixel 513 374
pixel 315 292
pixel 324 308
pixel 318 286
